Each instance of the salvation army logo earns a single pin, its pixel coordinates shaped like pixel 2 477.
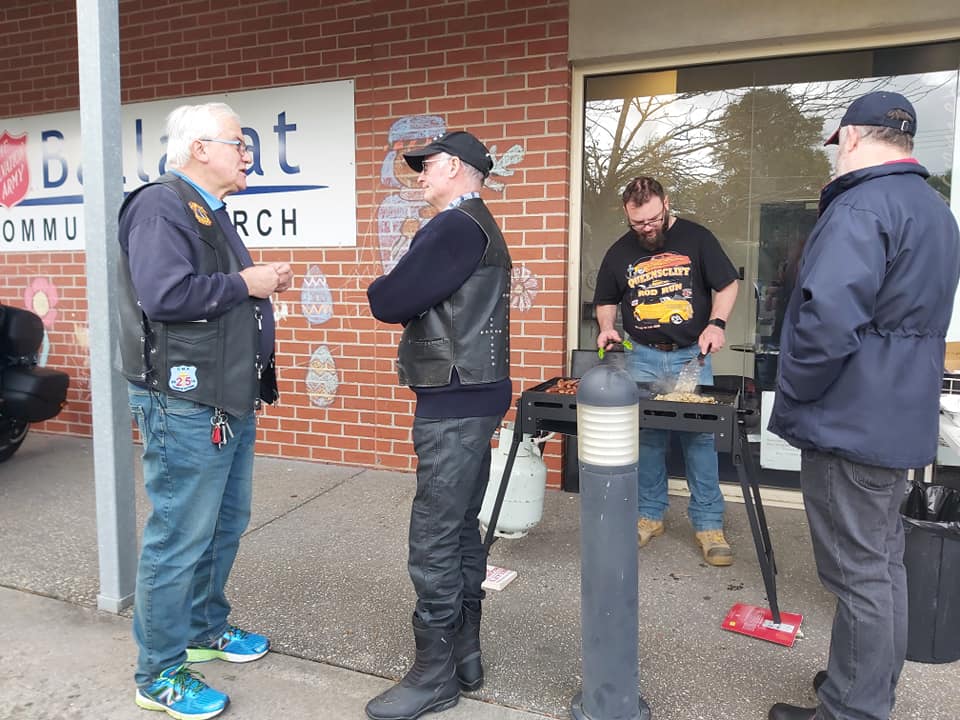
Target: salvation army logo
pixel 14 173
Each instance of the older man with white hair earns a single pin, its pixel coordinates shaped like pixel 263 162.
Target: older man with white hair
pixel 197 347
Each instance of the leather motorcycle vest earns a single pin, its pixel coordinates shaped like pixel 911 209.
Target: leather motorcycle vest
pixel 212 362
pixel 470 330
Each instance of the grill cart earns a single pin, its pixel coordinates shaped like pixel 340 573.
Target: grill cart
pixel 551 406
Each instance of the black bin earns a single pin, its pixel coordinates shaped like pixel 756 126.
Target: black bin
pixel 932 558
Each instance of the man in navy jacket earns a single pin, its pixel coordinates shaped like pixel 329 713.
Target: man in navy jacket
pixel 861 367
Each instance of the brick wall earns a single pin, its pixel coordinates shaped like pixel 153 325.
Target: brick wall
pixel 495 67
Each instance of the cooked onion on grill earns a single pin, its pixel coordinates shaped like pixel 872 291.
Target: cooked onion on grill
pixel 687 397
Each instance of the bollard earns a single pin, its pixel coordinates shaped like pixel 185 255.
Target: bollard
pixel 608 432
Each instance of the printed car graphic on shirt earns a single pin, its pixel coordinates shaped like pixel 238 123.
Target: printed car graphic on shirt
pixel 667 310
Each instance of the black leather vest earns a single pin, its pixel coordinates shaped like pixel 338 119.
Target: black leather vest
pixel 470 330
pixel 212 362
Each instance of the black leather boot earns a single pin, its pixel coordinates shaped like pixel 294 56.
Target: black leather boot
pixel 819 679
pixel 466 645
pixel 782 711
pixel 429 686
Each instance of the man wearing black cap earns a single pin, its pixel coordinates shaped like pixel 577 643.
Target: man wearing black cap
pixel 451 292
pixel 861 367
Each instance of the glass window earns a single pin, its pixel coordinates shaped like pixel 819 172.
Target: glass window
pixel 739 149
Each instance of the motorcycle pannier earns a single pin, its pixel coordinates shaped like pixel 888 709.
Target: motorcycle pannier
pixel 33 394
pixel 21 332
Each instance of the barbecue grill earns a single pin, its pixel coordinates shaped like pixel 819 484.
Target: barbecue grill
pixel 554 412
pixel 542 409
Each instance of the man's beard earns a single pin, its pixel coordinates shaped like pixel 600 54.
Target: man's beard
pixel 654 243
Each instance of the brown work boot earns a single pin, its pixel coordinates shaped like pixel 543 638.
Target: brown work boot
pixel 716 551
pixel 647 528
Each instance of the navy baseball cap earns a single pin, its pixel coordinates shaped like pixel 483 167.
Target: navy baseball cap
pixel 872 109
pixel 457 143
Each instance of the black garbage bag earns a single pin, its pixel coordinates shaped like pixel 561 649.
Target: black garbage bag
pixel 931 523
pixel 915 503
pixel 931 503
pixel 950 510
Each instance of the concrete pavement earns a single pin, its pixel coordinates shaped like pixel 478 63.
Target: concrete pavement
pixel 63 662
pixel 322 571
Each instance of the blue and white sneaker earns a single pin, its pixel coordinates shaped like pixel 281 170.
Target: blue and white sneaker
pixel 182 695
pixel 235 645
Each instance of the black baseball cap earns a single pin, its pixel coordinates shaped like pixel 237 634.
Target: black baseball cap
pixel 872 109
pixel 457 143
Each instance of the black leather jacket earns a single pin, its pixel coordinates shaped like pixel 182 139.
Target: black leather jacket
pixel 213 362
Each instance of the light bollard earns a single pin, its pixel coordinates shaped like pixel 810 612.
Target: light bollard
pixel 608 441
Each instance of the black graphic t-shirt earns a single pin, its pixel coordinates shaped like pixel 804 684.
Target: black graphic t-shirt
pixel 665 295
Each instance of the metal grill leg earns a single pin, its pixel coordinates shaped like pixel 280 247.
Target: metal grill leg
pixel 746 471
pixel 501 493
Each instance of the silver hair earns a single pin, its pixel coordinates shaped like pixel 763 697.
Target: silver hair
pixel 472 173
pixel 888 135
pixel 191 122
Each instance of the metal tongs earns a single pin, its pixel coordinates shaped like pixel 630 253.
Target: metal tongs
pixel 627 345
pixel 689 376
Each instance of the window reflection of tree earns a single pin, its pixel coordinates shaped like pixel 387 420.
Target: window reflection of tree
pixel 721 154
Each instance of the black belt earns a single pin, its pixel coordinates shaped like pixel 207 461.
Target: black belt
pixel 665 347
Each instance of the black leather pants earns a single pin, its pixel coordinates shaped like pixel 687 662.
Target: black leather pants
pixel 447 561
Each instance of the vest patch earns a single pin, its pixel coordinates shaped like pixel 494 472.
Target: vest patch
pixel 183 378
pixel 200 213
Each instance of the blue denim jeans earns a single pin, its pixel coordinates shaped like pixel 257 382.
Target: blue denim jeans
pixel 448 562
pixel 705 509
pixel 854 515
pixel 200 505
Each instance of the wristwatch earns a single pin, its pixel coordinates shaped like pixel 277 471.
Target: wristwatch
pixel 722 324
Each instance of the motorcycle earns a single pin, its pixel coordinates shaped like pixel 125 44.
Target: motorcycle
pixel 28 393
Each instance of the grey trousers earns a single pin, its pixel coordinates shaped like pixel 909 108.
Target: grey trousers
pixel 448 561
pixel 854 516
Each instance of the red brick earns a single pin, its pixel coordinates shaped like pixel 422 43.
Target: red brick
pixel 524 100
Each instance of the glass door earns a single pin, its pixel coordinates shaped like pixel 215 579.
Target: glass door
pixel 739 149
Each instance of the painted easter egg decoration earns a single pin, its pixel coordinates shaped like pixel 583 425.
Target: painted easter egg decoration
pixel 316 300
pixel 322 380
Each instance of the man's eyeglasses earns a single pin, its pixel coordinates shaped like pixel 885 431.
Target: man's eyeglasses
pixel 652 222
pixel 240 145
pixel 432 160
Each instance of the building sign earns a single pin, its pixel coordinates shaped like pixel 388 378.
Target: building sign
pixel 301 186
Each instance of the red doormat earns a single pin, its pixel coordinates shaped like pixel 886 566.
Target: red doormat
pixel 758 622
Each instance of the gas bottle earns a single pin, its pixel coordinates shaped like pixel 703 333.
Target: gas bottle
pixel 523 504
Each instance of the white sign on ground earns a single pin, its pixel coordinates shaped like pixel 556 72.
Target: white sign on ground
pixel 775 453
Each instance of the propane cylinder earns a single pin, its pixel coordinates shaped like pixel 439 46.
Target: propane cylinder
pixel 523 504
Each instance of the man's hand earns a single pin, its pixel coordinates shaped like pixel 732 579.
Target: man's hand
pixel 712 339
pixel 284 275
pixel 606 318
pixel 607 338
pixel 264 280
